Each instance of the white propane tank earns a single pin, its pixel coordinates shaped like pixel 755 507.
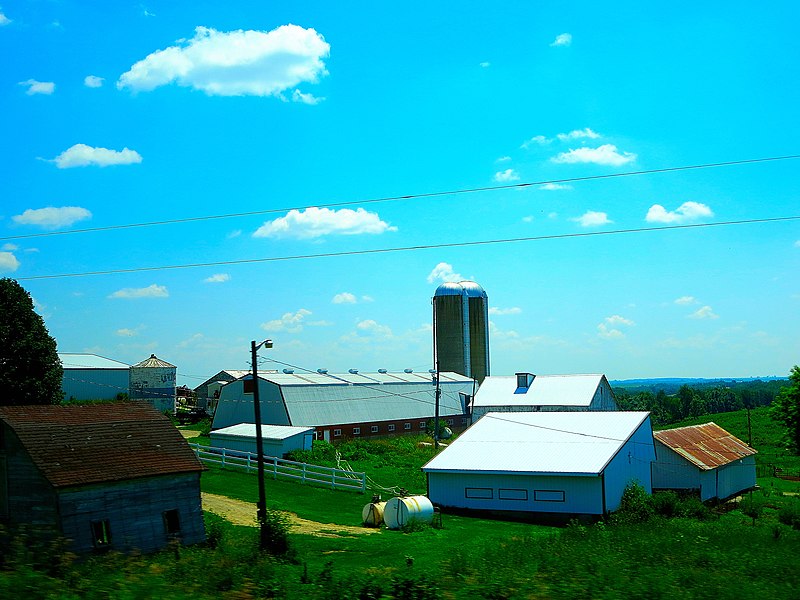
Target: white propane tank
pixel 372 514
pixel 402 510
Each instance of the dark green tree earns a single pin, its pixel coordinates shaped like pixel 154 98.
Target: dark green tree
pixel 30 371
pixel 786 409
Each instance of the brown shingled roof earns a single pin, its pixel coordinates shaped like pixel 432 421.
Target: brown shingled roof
pixel 707 446
pixel 94 443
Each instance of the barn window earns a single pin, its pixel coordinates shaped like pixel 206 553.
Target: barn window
pixel 422 424
pixel 449 421
pixel 479 493
pixel 374 429
pixel 511 494
pixel 356 430
pixel 407 426
pixel 549 496
pixel 391 427
pixel 337 432
pixel 172 522
pixel 463 420
pixel 249 386
pixel 101 533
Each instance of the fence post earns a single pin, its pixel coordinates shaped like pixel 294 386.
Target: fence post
pixel 363 482
pixel 275 468
pixel 303 480
pixel 333 479
pixel 223 458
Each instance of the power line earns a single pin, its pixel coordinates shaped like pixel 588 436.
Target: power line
pixel 411 248
pixel 406 197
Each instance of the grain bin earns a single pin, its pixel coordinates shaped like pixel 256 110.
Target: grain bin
pixel 461 329
pixel 401 511
pixel 372 513
pixel 153 381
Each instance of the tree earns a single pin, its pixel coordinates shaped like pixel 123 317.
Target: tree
pixel 30 370
pixel 786 409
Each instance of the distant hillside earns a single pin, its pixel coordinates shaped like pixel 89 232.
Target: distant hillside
pixel 670 385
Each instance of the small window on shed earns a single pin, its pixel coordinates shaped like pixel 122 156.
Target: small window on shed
pixel 449 421
pixel 407 426
pixel 374 429
pixel 249 386
pixel 101 533
pixel 337 432
pixel 356 430
pixel 422 424
pixel 391 427
pixel 172 522
pixel 463 420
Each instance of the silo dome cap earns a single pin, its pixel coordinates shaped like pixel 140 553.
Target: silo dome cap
pixel 460 288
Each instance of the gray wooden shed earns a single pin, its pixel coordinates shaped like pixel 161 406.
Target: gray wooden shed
pixel 105 476
pixel 277 440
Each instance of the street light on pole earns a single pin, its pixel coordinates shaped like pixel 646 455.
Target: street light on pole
pixel 261 513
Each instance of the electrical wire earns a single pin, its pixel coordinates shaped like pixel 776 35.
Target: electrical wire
pixel 412 248
pixel 409 196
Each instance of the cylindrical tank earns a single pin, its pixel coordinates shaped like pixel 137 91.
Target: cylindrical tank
pixel 400 511
pixel 153 381
pixel 461 329
pixel 372 514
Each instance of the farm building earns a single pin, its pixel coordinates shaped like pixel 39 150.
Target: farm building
pixel 277 440
pixel 548 463
pixel 526 392
pixel 348 405
pixel 113 475
pixel 92 377
pixel 153 381
pixel 208 391
pixel 703 458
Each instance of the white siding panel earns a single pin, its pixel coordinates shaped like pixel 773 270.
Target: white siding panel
pixel 237 407
pixel 736 477
pixel 632 464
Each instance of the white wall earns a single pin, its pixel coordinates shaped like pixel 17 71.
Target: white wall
pixel 631 464
pixel 94 384
pixel 236 407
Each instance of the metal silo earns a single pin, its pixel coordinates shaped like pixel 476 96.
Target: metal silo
pixel 153 380
pixel 461 329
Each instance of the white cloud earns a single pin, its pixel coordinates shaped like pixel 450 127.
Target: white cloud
pixel 298 96
pixel 317 222
pixel 592 218
pixel 514 310
pixel 609 333
pixel 686 300
pixel 4 20
pixel 372 327
pixel 506 176
pixel 797 244
pixel 217 278
pixel 81 155
pixel 93 81
pixel 562 39
pixel 538 140
pixel 52 217
pixel 344 298
pixel 607 154
pixel 688 211
pixel 486 64
pixel 236 63
pixel 8 262
pixel 10 247
pixel 234 234
pixel 444 272
pixel 552 215
pixel 367 299
pixel 289 322
pixel 125 332
pixel 498 334
pixel 617 320
pixel 555 186
pixel 527 219
pixel 151 291
pixel 38 87
pixel 503 159
pixel 704 313
pixel 578 134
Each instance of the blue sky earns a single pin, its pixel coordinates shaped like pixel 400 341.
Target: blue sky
pixel 122 113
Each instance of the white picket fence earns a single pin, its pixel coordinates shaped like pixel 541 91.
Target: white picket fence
pixel 337 479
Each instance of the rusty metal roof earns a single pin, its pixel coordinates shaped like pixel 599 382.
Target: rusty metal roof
pixel 707 446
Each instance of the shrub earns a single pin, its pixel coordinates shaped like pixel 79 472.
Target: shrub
pixel 789 514
pixel 693 508
pixel 636 505
pixel 752 506
pixel 667 504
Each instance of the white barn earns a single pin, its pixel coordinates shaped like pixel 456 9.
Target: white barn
pixel 277 440
pixel 704 459
pixel 526 392
pixel 92 377
pixel 567 464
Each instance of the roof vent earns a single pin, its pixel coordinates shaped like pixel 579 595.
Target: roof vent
pixel 352 371
pixel 288 371
pixel 431 371
pixel 322 371
pixel 382 371
pixel 408 370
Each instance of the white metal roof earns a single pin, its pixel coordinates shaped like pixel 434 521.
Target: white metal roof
pixel 546 390
pixel 154 363
pixel 88 361
pixel 368 378
pixel 268 432
pixel 540 442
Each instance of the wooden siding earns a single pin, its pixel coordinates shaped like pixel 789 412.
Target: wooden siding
pixel 134 510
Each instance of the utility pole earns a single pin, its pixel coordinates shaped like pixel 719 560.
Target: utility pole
pixel 436 417
pixel 261 513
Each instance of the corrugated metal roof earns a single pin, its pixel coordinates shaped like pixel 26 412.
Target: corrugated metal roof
pixel 546 390
pixel 94 443
pixel 540 442
pixel 71 360
pixel 707 446
pixel 268 432
pixel 367 378
pixel 153 362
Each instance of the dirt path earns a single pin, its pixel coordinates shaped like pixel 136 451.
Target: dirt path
pixel 189 433
pixel 244 513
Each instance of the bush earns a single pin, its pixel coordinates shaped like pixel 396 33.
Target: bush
pixel 752 506
pixel 789 514
pixel 693 508
pixel 667 504
pixel 636 505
